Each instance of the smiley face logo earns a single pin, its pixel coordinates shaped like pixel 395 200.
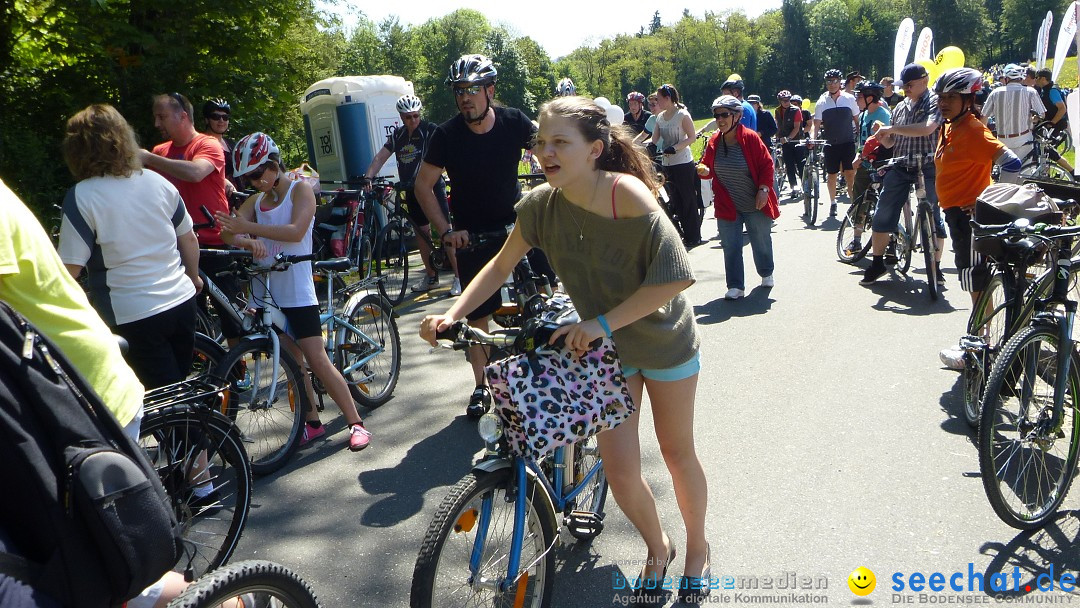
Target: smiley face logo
pixel 861 581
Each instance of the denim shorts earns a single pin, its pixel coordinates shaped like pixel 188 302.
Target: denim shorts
pixel 670 374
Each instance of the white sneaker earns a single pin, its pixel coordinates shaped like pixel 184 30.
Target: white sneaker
pixel 768 281
pixel 425 283
pixel 952 358
pixel 734 294
pixel 455 289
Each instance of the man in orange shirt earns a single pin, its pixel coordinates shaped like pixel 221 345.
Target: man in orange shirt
pixel 965 154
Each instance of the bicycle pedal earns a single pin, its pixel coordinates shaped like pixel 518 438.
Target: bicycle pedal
pixel 584 523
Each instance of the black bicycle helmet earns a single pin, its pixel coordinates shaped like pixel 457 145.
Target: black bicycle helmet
pixel 472 69
pixel 834 73
pixel 216 104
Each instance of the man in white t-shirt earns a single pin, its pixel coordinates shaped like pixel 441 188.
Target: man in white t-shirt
pixel 836 116
pixel 1012 107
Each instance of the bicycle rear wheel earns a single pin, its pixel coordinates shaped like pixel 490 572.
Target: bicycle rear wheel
pixel 809 186
pixel 201 461
pixel 269 424
pixel 1026 463
pixel 392 260
pixel 373 382
pixel 926 237
pixel 442 576
pixel 987 322
pixel 267 583
pixel 857 216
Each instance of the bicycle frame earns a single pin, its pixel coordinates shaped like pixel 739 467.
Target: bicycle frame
pixel 334 324
pixel 562 466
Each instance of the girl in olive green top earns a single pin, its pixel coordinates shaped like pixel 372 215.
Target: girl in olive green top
pixel 622 263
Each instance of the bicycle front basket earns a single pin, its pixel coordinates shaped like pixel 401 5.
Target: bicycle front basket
pixel 554 398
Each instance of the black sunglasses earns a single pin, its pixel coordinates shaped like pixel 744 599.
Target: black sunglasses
pixel 219 117
pixel 258 173
pixel 720 115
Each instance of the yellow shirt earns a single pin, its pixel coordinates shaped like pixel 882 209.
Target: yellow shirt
pixel 34 282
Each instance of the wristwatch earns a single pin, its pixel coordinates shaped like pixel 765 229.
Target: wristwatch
pixel 447 233
pixel 763 188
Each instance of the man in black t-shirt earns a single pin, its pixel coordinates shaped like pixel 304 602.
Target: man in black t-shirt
pixel 409 142
pixel 479 149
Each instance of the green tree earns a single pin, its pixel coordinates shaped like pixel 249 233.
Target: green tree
pixel 1020 22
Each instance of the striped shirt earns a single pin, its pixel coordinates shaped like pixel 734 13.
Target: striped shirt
pixel 1011 107
pixel 731 170
pixel 916 112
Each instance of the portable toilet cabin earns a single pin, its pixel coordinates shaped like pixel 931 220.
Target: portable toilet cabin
pixel 347 120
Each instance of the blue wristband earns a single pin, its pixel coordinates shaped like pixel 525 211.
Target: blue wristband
pixel 603 323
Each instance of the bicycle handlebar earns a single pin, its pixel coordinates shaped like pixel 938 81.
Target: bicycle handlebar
pixel 210 221
pixel 224 253
pixel 1022 227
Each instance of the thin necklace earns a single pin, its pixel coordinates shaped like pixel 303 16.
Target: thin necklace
pixel 581 225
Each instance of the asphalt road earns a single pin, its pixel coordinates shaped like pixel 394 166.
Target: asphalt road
pixel 831 436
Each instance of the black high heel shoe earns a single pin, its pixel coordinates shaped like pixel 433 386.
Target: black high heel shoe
pixel 655 593
pixel 694 589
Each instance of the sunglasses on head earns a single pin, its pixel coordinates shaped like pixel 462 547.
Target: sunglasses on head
pixel 219 117
pixel 179 99
pixel 720 115
pixel 463 91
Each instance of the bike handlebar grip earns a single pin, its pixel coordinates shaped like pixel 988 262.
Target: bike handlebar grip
pixel 224 253
pixel 450 333
pixel 296 259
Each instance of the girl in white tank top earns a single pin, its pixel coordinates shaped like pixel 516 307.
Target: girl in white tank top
pixel 279 220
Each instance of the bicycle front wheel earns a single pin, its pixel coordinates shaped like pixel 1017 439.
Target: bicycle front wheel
pixel 926 237
pixel 266 583
pixel 201 461
pixel 267 403
pixel 809 194
pixel 590 501
pixel 987 321
pixel 442 576
pixel 392 260
pixel 370 362
pixel 857 217
pixel 1026 460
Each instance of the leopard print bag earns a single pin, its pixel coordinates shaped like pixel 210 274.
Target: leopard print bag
pixel 554 398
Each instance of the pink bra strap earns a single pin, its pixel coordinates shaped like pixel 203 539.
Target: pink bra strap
pixel 617 178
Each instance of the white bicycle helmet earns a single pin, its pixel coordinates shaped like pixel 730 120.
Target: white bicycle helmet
pixel 565 88
pixel 1013 72
pixel 408 103
pixel 252 152
pixel 965 81
pixel 728 102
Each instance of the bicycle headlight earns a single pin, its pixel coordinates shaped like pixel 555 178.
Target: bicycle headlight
pixel 489 427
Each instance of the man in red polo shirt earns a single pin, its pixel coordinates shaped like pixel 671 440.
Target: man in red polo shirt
pixel 194 162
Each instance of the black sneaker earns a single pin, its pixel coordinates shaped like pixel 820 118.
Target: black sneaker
pixel 832 210
pixel 479 403
pixel 873 272
pixel 853 248
pixel 940 277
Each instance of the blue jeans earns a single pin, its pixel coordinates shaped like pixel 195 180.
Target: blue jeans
pixel 759 227
pixel 895 190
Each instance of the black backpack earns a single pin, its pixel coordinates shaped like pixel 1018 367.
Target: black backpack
pixel 91 521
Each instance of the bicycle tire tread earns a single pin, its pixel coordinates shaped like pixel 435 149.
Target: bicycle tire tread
pixel 239 578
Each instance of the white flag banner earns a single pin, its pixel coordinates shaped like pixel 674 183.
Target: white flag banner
pixel 923 48
pixel 1042 46
pixel 903 44
pixel 1065 38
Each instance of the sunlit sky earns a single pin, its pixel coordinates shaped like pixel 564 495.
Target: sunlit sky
pixel 560 27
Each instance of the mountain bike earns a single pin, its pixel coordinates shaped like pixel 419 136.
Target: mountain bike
pixel 264 584
pixel 858 222
pixel 200 458
pixel 779 169
pixel 1040 161
pixel 1029 431
pixel 811 178
pixel 492 538
pixel 920 236
pixel 266 393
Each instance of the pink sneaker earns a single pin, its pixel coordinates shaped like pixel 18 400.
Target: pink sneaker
pixel 311 434
pixel 359 437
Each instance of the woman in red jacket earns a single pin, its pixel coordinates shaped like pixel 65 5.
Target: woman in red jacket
pixel 741 169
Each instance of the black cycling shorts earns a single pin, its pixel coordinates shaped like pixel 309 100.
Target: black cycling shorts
pixel 839 156
pixel 416 212
pixel 470 263
pixel 303 321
